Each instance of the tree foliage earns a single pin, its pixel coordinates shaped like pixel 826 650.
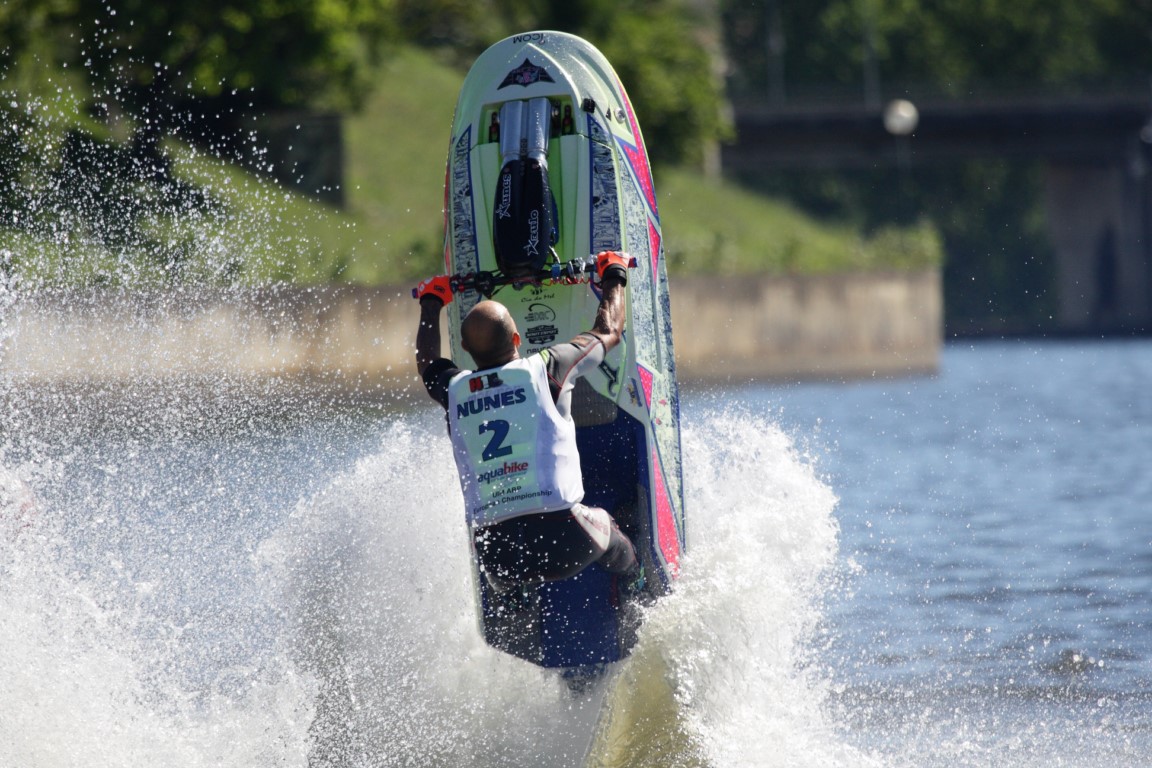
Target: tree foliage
pixel 665 63
pixel 149 58
pixel 280 53
pixel 28 24
pixel 953 45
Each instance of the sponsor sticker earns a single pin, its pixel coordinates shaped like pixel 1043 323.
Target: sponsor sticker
pixel 532 247
pixel 540 313
pixel 542 334
pixel 485 381
pixel 504 209
pixel 530 37
pixel 509 468
pixel 525 75
pixel 534 293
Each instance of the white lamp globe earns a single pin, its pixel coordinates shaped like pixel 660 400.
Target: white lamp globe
pixel 901 117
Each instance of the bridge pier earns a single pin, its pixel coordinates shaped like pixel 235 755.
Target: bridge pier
pixel 1099 220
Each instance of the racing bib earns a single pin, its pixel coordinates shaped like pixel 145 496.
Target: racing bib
pixel 516 454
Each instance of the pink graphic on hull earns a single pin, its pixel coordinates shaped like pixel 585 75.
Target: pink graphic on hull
pixel 665 524
pixel 639 163
pixel 646 385
pixel 638 156
pixel 666 534
pixel 654 248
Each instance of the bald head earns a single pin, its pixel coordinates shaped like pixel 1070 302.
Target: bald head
pixel 488 333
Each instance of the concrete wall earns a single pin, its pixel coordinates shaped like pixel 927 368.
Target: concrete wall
pixel 803 327
pixel 834 326
pixel 725 329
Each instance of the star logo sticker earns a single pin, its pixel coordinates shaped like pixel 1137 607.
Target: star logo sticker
pixel 525 75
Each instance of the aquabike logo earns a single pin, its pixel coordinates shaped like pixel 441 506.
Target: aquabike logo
pixel 490 402
pixel 509 468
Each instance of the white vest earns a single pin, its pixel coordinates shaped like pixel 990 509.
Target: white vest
pixel 515 452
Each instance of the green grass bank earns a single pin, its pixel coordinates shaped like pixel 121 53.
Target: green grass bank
pixel 252 231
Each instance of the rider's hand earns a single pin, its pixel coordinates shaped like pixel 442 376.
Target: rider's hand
pixel 612 263
pixel 438 287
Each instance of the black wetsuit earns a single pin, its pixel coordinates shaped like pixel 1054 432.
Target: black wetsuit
pixel 543 546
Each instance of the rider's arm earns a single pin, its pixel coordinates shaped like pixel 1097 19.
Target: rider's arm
pixel 435 371
pixel 428 334
pixel 567 362
pixel 612 269
pixel 434 293
pixel 610 316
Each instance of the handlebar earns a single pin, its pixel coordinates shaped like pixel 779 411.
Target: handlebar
pixel 487 283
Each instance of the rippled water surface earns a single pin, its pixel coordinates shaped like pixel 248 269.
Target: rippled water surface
pixel 997 523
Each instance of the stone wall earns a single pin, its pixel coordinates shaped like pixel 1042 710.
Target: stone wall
pixel 731 329
pixel 832 326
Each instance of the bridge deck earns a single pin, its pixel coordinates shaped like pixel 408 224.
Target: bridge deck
pixel 1082 129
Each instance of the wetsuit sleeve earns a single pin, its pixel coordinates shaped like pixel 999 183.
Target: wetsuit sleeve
pixel 568 362
pixel 436 377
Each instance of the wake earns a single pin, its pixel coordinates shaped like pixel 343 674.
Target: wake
pixel 724 672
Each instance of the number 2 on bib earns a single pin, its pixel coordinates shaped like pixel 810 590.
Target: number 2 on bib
pixel 496 448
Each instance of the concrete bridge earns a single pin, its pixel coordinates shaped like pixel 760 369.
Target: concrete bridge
pixel 1097 155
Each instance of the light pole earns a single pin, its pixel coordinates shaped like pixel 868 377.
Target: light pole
pixel 900 119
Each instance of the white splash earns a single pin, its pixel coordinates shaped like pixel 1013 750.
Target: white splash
pixel 79 687
pixel 739 630
pixel 386 620
pixel 377 660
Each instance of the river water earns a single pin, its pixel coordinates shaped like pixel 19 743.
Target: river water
pixel 944 571
pixel 996 524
